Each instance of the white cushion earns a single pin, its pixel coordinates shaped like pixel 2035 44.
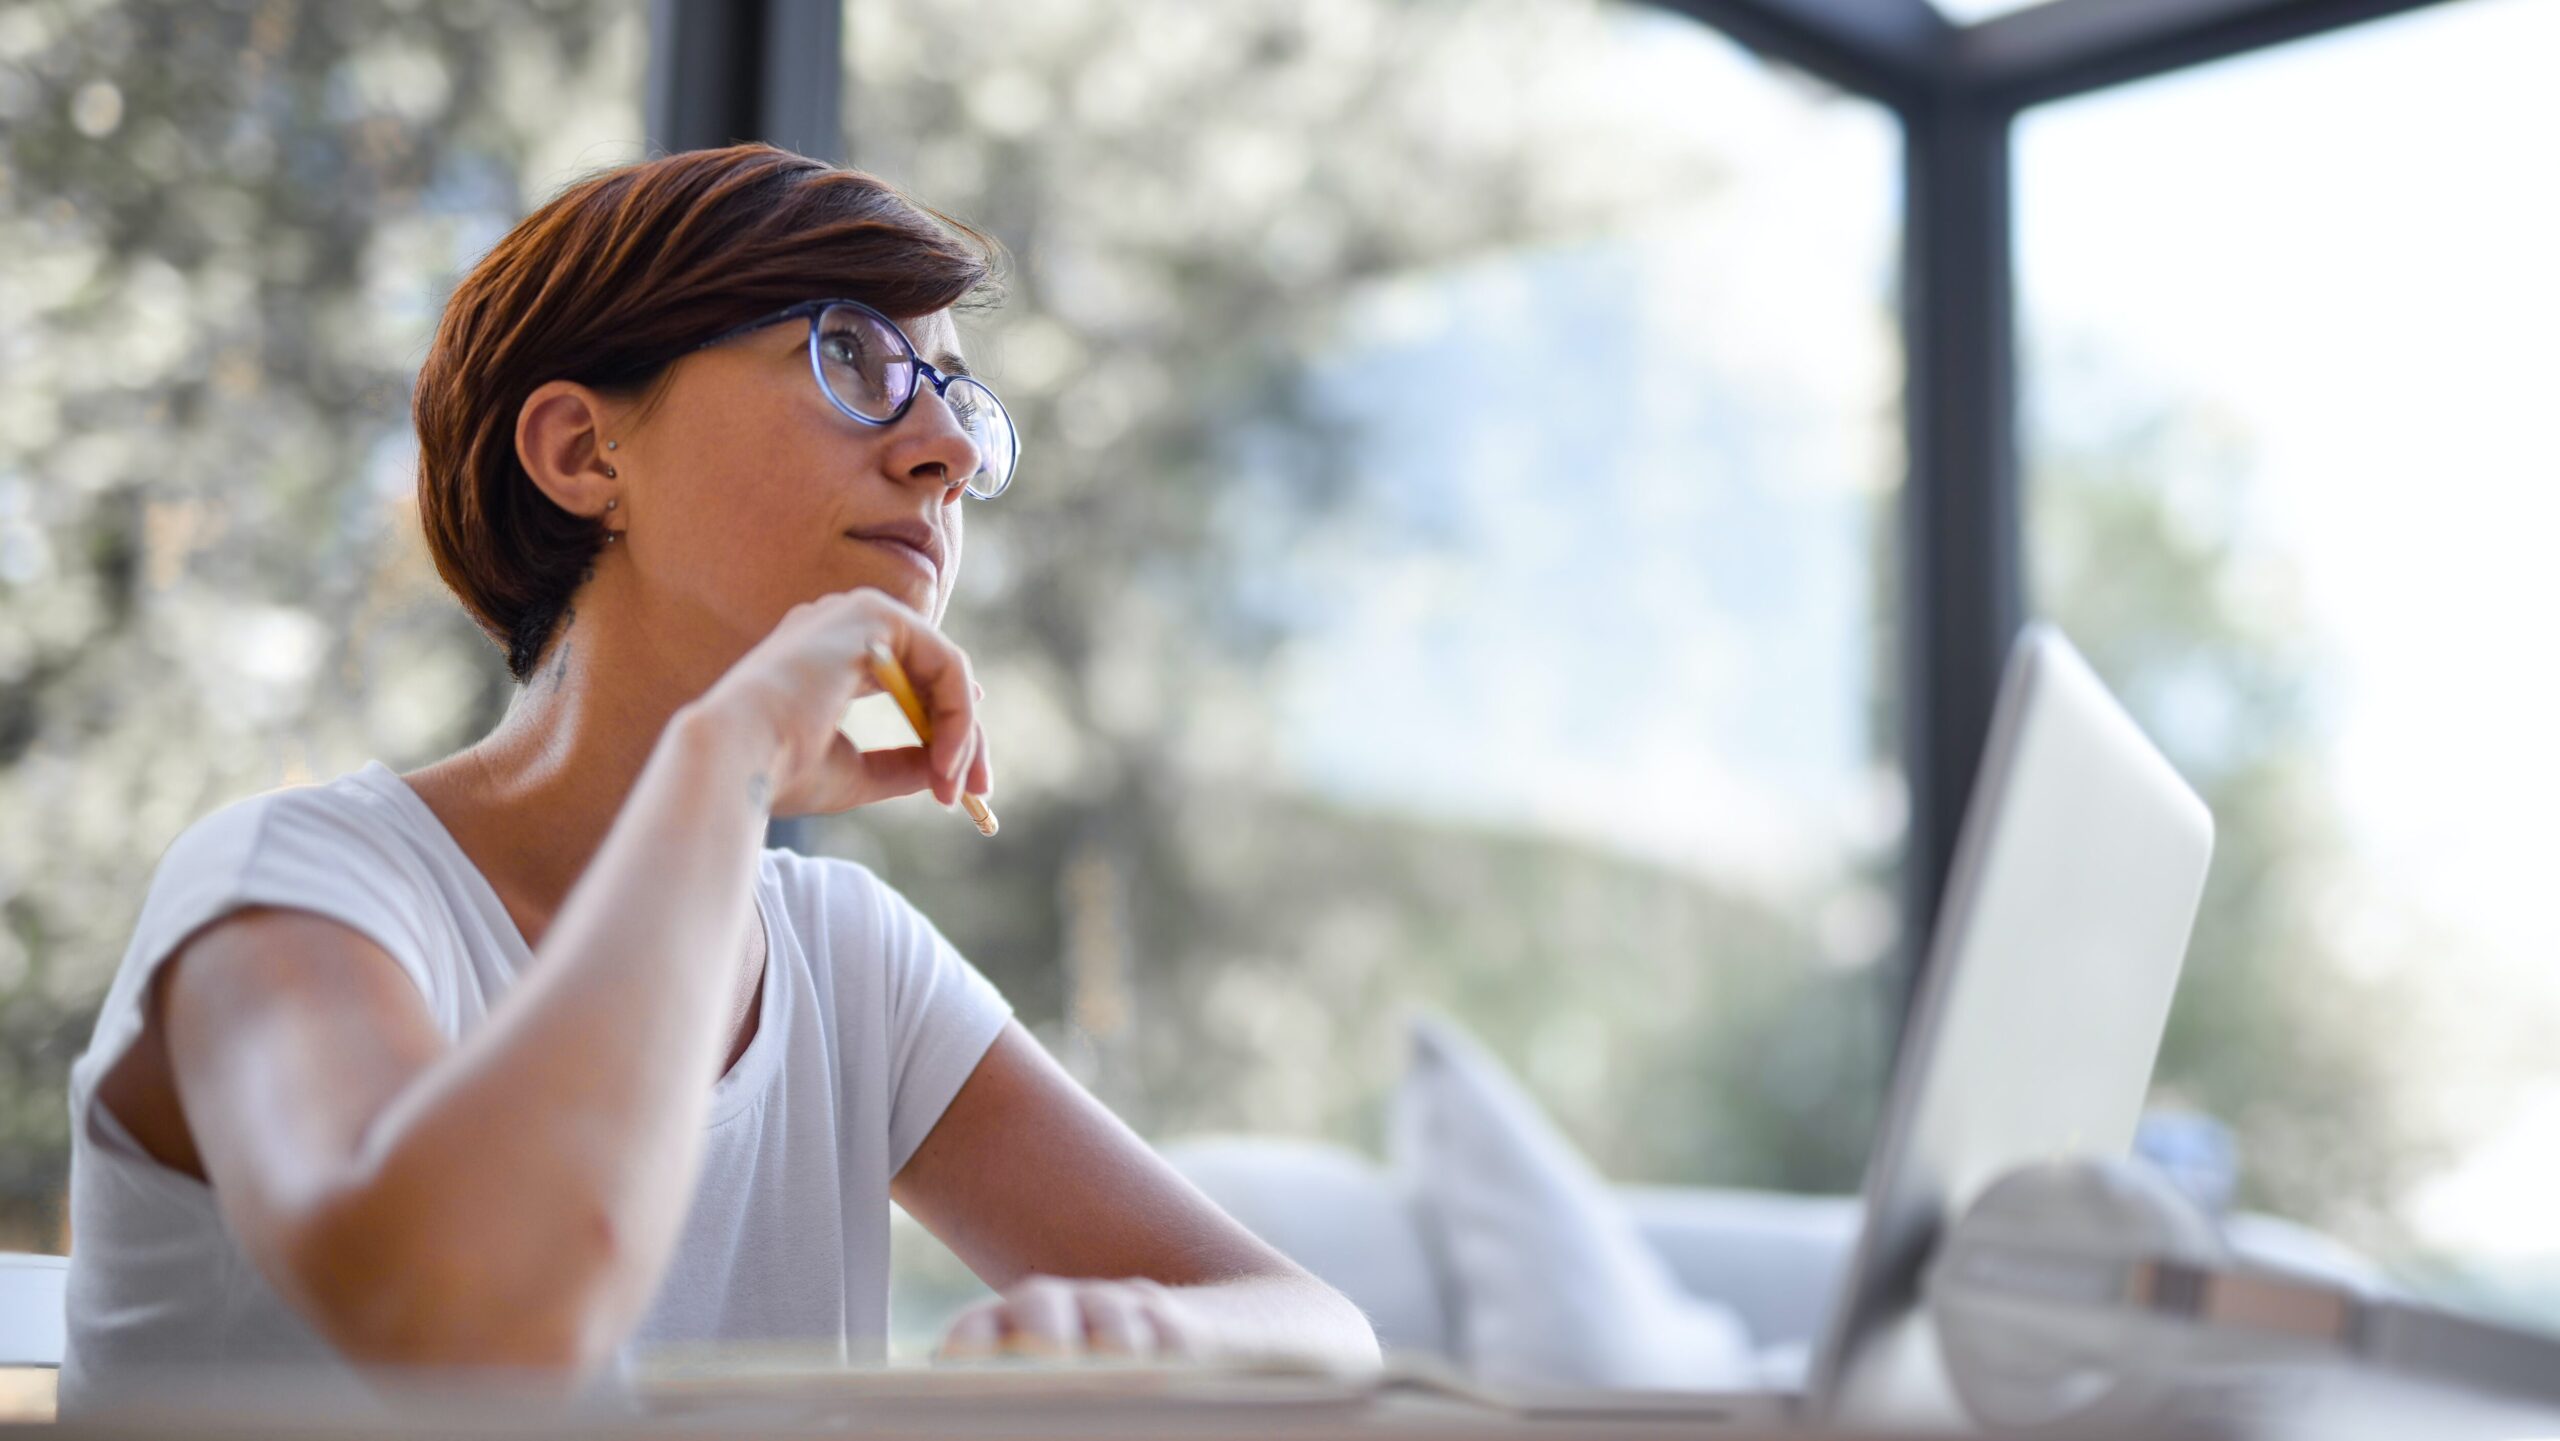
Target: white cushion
pixel 1550 1282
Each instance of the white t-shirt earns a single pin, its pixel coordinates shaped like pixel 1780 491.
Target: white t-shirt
pixel 870 1023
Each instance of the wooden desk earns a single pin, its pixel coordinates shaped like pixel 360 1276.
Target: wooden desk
pixel 2351 1409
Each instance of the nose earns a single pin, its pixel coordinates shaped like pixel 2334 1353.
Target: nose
pixel 928 445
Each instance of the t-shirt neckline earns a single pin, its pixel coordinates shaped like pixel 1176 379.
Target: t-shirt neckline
pixel 744 1080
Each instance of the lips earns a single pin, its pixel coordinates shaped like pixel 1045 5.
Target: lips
pixel 914 538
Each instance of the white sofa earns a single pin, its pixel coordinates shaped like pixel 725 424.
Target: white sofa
pixel 1775 1259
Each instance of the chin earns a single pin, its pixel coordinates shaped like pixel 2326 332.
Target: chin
pixel 922 596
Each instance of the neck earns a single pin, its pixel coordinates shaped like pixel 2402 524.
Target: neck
pixel 533 800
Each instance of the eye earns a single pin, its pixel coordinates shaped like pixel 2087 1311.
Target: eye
pixel 843 347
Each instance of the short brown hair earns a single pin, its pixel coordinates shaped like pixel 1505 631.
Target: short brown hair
pixel 608 284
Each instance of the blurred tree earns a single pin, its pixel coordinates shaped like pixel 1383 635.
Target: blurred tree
pixel 228 227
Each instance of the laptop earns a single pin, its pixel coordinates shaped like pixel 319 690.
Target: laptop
pixel 2038 1019
pixel 2032 1035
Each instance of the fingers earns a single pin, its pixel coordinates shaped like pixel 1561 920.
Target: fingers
pixel 982 777
pixel 1044 1316
pixel 946 692
pixel 975 1335
pixel 1114 1324
pixel 886 775
pixel 943 690
pixel 955 716
pixel 904 770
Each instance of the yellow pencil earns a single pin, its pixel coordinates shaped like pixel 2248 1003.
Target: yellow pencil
pixel 893 679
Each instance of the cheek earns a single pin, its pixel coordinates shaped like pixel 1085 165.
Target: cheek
pixel 754 466
pixel 745 495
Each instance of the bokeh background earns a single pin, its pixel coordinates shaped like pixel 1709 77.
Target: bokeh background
pixel 1455 562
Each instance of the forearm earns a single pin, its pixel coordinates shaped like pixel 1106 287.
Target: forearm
pixel 519 1203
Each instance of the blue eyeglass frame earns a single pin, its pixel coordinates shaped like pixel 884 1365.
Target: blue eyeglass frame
pixel 812 309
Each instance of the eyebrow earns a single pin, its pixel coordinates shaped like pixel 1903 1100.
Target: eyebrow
pixel 950 363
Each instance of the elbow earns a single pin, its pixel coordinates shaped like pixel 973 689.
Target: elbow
pixel 1340 1332
pixel 1307 1320
pixel 1353 1334
pixel 400 1281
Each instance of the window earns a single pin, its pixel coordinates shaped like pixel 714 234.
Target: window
pixel 2289 365
pixel 1450 567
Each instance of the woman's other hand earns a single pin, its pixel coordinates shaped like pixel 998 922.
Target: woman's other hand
pixel 1050 1316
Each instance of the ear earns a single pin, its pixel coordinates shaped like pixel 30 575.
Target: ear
pixel 560 439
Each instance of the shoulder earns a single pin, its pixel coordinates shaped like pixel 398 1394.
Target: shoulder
pixel 335 849
pixel 333 826
pixel 340 848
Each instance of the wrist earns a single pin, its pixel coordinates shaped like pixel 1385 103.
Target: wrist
pixel 729 737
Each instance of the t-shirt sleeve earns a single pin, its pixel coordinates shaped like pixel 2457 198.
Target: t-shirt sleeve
pixel 288 848
pixel 943 1015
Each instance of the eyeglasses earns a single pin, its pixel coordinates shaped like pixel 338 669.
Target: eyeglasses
pixel 867 368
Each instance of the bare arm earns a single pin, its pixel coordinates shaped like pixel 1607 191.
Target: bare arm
pixel 1095 1242
pixel 514 1199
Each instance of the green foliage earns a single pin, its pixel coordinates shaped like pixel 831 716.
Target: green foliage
pixel 227 227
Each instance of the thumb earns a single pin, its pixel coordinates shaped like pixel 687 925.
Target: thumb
pixel 886 775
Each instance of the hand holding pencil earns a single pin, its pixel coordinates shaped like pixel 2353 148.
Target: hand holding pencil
pixel 790 692
pixel 893 678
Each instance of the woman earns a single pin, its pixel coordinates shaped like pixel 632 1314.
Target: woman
pixel 535 1055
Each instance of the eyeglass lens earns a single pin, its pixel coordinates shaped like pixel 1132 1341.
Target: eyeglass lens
pixel 869 368
pixel 990 430
pixel 864 362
